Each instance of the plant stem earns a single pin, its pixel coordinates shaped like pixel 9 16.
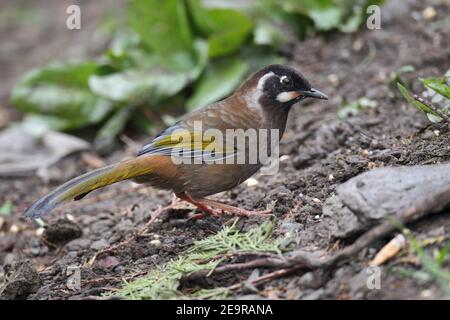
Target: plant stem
pixel 439 112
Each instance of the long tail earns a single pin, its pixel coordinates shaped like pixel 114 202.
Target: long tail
pixel 78 187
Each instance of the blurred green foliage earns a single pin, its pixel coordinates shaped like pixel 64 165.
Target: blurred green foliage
pixel 172 54
pixel 438 92
pixel 348 109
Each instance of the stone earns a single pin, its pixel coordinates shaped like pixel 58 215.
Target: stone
pixel 99 245
pixel 22 281
pixel 374 194
pixel 367 198
pixel 340 220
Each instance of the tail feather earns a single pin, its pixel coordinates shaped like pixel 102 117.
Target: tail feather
pixel 78 187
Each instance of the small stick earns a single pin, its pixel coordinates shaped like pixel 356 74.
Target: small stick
pixel 264 278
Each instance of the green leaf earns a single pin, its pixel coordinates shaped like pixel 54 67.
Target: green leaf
pixel 6 208
pixel 39 124
pixel 226 29
pixel 220 79
pixel 257 57
pixel 325 14
pixel 267 34
pixel 326 19
pixel 442 254
pixel 134 86
pixel 60 90
pixel 352 24
pixel 163 25
pixel 346 15
pixel 115 124
pixel 353 108
pixel 439 85
pixel 432 116
pixel 105 138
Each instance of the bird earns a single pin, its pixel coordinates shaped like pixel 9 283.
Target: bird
pixel 262 102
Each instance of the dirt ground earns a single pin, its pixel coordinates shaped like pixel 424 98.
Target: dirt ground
pixel 319 151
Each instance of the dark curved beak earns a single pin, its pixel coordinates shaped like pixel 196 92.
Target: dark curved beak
pixel 314 93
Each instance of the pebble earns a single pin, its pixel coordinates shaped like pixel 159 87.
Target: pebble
pixel 99 244
pixel 14 229
pixel 426 294
pixel 306 280
pixel 78 244
pixel 251 182
pixel 155 242
pixel 429 13
pixel 333 79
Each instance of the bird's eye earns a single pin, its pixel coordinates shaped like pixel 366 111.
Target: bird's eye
pixel 286 81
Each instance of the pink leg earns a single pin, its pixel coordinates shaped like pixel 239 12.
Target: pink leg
pixel 215 208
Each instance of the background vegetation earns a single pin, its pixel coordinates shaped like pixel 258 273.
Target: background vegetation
pixel 170 57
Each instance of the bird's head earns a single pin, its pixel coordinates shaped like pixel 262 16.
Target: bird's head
pixel 281 86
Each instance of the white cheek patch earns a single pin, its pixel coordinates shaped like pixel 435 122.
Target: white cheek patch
pixel 287 96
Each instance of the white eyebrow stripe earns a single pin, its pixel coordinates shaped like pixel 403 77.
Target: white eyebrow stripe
pixel 263 80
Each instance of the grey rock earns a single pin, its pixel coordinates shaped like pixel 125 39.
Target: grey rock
pixel 251 297
pixel 22 281
pixel 99 244
pixel 9 260
pixel 314 295
pixel 377 193
pixel 369 197
pixel 78 244
pixel 341 222
pixel 306 280
pixel 124 225
pixel 290 226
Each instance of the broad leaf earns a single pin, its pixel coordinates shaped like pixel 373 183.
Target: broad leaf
pixel 60 90
pixel 226 29
pixel 439 85
pixel 269 35
pixel 220 79
pixel 163 25
pixel 151 85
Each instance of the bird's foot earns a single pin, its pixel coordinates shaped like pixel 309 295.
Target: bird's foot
pixel 200 205
pixel 216 208
pixel 235 210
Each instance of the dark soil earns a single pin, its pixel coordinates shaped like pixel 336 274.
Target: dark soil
pixel 319 150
